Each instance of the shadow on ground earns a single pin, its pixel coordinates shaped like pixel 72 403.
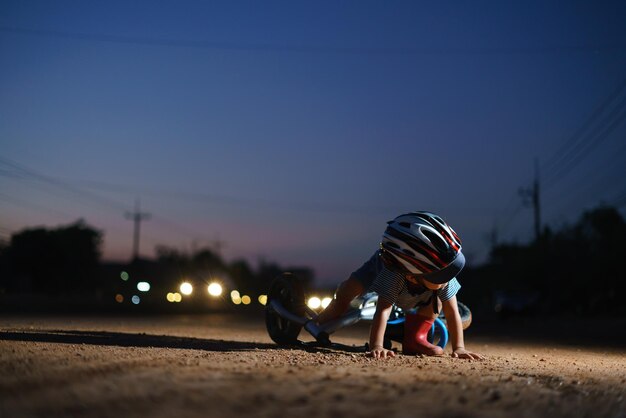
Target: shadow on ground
pixel 121 339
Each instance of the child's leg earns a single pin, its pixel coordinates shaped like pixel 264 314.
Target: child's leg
pixel 416 327
pixel 427 310
pixel 347 291
pixel 415 339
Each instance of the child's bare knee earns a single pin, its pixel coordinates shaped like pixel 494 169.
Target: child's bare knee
pixel 427 310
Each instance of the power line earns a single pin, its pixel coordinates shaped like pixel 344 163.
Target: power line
pixel 599 180
pixel 32 206
pixel 64 216
pixel 584 147
pixel 213 198
pixel 571 152
pixel 25 172
pixel 569 144
pixel 617 120
pixel 21 172
pixel 269 47
pixel 241 201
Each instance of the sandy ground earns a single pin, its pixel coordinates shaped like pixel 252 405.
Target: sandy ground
pixel 222 366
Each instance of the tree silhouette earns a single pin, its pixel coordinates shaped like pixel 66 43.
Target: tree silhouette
pixel 53 260
pixel 577 269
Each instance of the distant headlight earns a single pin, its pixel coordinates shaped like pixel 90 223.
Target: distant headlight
pixel 186 288
pixel 215 289
pixel 314 302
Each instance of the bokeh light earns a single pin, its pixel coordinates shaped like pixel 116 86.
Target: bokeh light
pixel 124 275
pixel 314 302
pixel 119 298
pixel 245 299
pixel 235 297
pixel 135 299
pixel 143 286
pixel 177 297
pixel 326 302
pixel 170 297
pixel 263 299
pixel 215 289
pixel 186 288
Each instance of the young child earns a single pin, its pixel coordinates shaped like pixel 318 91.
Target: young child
pixel 416 267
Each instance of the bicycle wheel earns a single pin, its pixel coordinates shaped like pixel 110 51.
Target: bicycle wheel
pixel 466 315
pixel 288 291
pixel 438 334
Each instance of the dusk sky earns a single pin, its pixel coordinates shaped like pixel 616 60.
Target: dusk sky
pixel 293 131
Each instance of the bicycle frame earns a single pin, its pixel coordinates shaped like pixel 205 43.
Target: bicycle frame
pixel 362 308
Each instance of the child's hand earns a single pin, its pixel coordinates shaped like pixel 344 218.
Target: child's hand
pixel 461 352
pixel 380 352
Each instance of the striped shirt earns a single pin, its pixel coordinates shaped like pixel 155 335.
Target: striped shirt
pixel 392 288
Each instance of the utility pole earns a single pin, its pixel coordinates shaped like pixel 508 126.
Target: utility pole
pixel 137 216
pixel 530 198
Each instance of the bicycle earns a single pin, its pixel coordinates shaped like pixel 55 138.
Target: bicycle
pixel 286 313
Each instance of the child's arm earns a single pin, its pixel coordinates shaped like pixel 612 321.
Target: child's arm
pixel 453 320
pixel 377 332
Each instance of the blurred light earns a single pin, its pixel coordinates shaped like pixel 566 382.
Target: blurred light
pixel 263 299
pixel 314 302
pixel 170 297
pixel 235 297
pixel 119 298
pixel 245 299
pixel 135 299
pixel 143 286
pixel 177 297
pixel 215 289
pixel 124 276
pixel 186 288
pixel 326 302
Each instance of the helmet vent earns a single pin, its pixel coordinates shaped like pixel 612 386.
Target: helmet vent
pixel 405 225
pixel 439 244
pixel 393 244
pixel 409 252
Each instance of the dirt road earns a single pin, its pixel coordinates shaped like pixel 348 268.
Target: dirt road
pixel 221 366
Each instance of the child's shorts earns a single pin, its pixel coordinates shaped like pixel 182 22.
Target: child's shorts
pixel 369 270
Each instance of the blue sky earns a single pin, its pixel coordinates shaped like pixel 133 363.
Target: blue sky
pixel 293 131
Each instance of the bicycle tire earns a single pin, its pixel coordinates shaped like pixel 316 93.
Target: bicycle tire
pixel 289 291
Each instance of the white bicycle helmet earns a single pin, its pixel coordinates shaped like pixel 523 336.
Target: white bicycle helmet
pixel 421 243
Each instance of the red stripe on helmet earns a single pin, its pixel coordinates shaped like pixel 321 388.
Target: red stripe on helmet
pixel 417 263
pixel 418 247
